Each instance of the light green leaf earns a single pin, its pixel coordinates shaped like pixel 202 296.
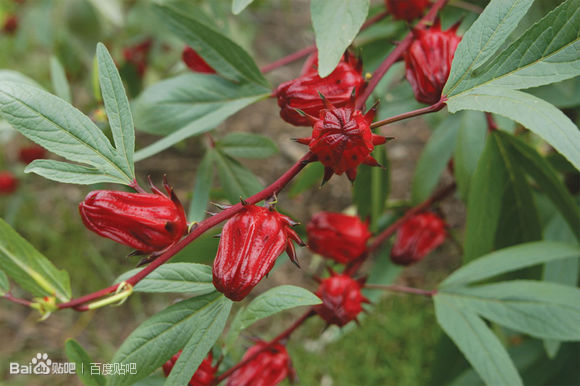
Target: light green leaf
pixel 468 148
pixel 487 34
pixel 563 94
pixel 68 173
pixel 116 106
pixel 160 337
pixel 4 283
pixel 246 145
pixel 75 353
pixel 311 175
pixel 336 23
pixel 15 76
pixel 110 9
pixel 509 259
pixel 239 5
pixel 371 187
pixel 29 268
pixel 476 341
pixel 202 188
pixel 236 180
pixel 59 80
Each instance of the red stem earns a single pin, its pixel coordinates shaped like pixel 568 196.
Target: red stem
pixel 402 288
pixel 396 54
pixel 202 227
pixel 491 124
pixel 24 302
pixel 425 110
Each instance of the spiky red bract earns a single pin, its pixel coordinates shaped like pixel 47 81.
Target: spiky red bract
pixel 195 62
pixel 338 236
pixel 203 376
pixel 250 243
pixel 342 299
pixel 8 183
pixel 268 368
pixel 417 237
pixel 27 154
pixel 408 10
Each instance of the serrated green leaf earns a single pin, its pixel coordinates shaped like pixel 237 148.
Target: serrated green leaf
pixel 190 278
pixel 434 159
pixel 239 5
pixel 59 80
pixel 509 259
pixel 29 268
pixel 247 145
pixel 487 34
pixel 75 353
pixel 469 146
pixel 225 56
pixel 116 106
pixel 476 341
pixel 158 338
pixel 68 173
pixel 236 180
pixel 4 283
pixel 336 23
pixel 201 190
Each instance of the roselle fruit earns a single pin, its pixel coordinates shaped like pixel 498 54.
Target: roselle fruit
pixel 11 24
pixel 417 237
pixel 8 183
pixel 148 222
pixel 137 54
pixel 428 61
pixel 303 93
pixel 408 10
pixel 195 62
pixel 270 367
pixel 342 299
pixel 203 376
pixel 27 154
pixel 251 241
pixel 338 236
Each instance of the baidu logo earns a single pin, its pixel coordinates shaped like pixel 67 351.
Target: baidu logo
pixel 40 364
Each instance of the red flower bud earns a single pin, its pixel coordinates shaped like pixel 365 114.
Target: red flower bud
pixel 406 9
pixel 338 236
pixel 341 299
pixel 303 93
pixel 270 367
pixel 137 55
pixel 10 24
pixel 203 376
pixel 28 154
pixel 342 139
pixel 195 62
pixel 416 237
pixel 8 183
pixel 148 222
pixel 428 61
pixel 251 241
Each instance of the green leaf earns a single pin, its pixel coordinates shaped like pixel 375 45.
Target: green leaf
pixel 540 309
pixel 371 187
pixel 17 77
pixel 4 283
pixel 563 94
pixel 336 23
pixel 190 278
pixel 225 56
pixel 202 188
pixel 236 180
pixel 434 159
pixel 509 259
pixel 468 148
pixel 75 353
pixel 165 333
pixel 310 176
pixel 535 114
pixel 487 34
pixel 110 10
pixel 59 80
pixel 189 105
pixel 116 106
pixel 61 129
pixel 476 341
pixel 29 268
pixel 548 52
pixel 68 173
pixel 246 145
pixel 199 344
pixel 239 5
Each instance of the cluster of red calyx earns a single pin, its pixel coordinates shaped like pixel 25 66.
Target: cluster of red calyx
pixel 270 367
pixel 417 237
pixel 342 299
pixel 250 243
pixel 195 62
pixel 203 376
pixel 338 236
pixel 342 139
pixel 8 183
pixel 10 24
pixel 302 95
pixel 428 61
pixel 408 10
pixel 137 55
pixel 27 154
pixel 148 222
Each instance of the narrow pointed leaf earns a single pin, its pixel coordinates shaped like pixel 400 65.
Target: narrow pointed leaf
pixel 247 145
pixel 59 80
pixel 69 173
pixel 236 180
pixel 239 5
pixel 201 190
pixel 4 283
pixel 468 148
pixel 75 353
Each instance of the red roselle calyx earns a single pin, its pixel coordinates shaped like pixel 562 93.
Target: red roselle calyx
pixel 268 368
pixel 203 376
pixel 148 222
pixel 137 55
pixel 303 93
pixel 195 62
pixel 342 139
pixel 10 24
pixel 341 299
pixel 417 237
pixel 28 154
pixel 428 61
pixel 8 183
pixel 338 236
pixel 408 10
pixel 251 241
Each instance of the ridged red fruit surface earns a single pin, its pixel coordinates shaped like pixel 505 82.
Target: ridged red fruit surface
pixel 268 368
pixel 417 237
pixel 341 299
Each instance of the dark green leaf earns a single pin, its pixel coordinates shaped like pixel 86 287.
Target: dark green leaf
pixel 309 177
pixel 59 80
pixel 236 180
pixel 202 188
pixel 371 187
pixel 4 283
pixel 469 146
pixel 563 94
pixel 75 353
pixel 246 145
pixel 239 5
